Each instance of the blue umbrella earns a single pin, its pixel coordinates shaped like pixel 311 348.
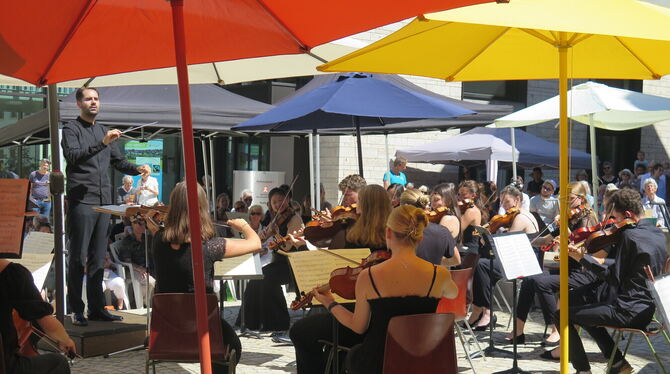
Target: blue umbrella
pixel 354 98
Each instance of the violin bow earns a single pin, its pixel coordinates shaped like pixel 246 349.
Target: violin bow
pixel 338 256
pixel 53 343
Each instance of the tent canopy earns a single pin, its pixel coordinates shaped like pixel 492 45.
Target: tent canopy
pixel 214 109
pixel 484 113
pixel 491 144
pixel 599 105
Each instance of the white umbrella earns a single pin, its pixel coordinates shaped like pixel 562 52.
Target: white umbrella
pixel 596 105
pixel 227 72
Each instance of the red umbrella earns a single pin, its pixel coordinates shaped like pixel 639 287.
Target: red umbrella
pixel 75 39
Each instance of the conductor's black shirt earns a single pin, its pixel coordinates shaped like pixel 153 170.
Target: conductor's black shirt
pixel 88 161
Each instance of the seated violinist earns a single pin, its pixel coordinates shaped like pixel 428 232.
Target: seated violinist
pixel 624 300
pixel 445 196
pixel 171 251
pixel 264 301
pixel 18 292
pixel 545 285
pixel 403 284
pixel 518 219
pixel 349 186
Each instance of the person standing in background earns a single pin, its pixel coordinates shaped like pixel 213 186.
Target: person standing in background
pixel 534 186
pixel 545 204
pixel 147 189
pixel 89 150
pixel 39 188
pixel 641 161
pixel 396 175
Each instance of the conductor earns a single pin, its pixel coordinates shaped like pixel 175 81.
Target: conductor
pixel 89 150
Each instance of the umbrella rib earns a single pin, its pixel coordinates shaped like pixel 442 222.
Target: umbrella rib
pixel 304 47
pixel 82 15
pixel 540 36
pixel 459 69
pixel 646 66
pixel 218 76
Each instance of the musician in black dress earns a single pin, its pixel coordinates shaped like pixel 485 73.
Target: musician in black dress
pixel 402 285
pixel 171 251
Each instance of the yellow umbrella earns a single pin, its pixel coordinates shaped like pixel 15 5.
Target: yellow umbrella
pixel 529 39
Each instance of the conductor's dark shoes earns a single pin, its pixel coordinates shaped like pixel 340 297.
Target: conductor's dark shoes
pixel 103 315
pixel 78 319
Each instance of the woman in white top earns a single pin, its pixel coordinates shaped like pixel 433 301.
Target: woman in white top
pixel 147 190
pixel 652 202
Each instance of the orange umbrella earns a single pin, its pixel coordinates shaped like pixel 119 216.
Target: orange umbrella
pixel 75 39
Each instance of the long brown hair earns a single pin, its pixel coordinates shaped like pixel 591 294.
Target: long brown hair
pixel 474 188
pixel 176 224
pixel 375 209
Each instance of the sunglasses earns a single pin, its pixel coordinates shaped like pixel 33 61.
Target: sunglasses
pixel 248 199
pixel 548 188
pixel 256 214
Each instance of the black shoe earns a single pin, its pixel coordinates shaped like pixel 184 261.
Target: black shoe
pixel 485 327
pixel 520 339
pixel 78 319
pixel 464 326
pixel 621 367
pixel 104 315
pixel 282 338
pixel 550 344
pixel 547 356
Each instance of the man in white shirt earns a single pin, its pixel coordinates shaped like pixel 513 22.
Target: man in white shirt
pixel 545 204
pixel 656 172
pixel 147 190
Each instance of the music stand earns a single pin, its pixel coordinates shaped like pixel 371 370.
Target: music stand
pixel 517 260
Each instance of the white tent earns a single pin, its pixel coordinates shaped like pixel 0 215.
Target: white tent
pixel 596 105
pixel 492 145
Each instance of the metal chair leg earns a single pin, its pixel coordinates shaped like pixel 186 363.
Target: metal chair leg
pixel 614 349
pixel 474 337
pixel 465 348
pixel 658 359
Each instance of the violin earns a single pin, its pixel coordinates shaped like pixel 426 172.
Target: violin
pixel 607 236
pixel 502 220
pixel 27 348
pixel 325 227
pixel 436 215
pixel 343 280
pixel 155 216
pixel 465 204
pixel 279 240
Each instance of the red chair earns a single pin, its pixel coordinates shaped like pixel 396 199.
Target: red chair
pixel 420 343
pixel 173 333
pixel 459 306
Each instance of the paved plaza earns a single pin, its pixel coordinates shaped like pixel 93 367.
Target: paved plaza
pixel 264 356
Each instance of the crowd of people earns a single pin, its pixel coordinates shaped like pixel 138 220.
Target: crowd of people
pixel 392 220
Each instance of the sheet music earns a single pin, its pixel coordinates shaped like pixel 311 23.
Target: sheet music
pixel 13 198
pixel 116 210
pixel 247 265
pixel 313 268
pixel 516 255
pixel 661 294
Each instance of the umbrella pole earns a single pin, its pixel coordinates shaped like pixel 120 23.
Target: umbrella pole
pixel 565 192
pixel 386 148
pixel 594 164
pixel 205 167
pixel 59 242
pixel 317 172
pixel 191 186
pixel 511 129
pixel 211 167
pixel 312 176
pixel 357 123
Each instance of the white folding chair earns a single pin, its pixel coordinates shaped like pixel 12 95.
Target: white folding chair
pixel 121 266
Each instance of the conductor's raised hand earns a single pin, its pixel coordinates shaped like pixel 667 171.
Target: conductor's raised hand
pixel 237 224
pixel 111 136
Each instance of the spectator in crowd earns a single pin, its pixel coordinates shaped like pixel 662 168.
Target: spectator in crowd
pixel 222 206
pixel 639 170
pixel 349 186
pixel 582 175
pixel 247 197
pixel 41 224
pixel 6 174
pixel 641 161
pixel 132 249
pixel 652 203
pixel 126 193
pixel 322 198
pixel 114 283
pixel 423 189
pixel 396 175
pixel 626 180
pixel 534 186
pixel 255 217
pixel 240 207
pixel 608 175
pixel 656 172
pixel 147 190
pixel 545 204
pixel 39 188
